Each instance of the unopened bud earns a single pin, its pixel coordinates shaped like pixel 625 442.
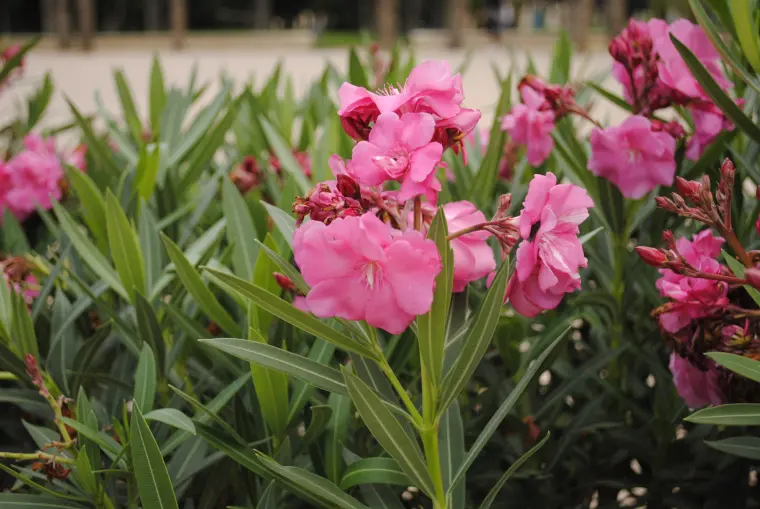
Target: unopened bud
pixel 727 169
pixel 348 187
pixel 652 256
pixel 284 281
pixel 505 201
pixel 689 189
pixel 752 275
pixel 669 239
pixel 619 50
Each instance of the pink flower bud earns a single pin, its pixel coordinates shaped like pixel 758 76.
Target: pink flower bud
pixel 752 276
pixel 689 189
pixel 652 256
pixel 727 169
pixel 669 239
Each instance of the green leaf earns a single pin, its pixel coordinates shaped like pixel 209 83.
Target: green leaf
pixel 93 207
pixel 129 111
pixel 64 346
pixel 88 252
pixel 503 411
pixel 125 248
pixel 153 482
pixel 232 448
pixel 713 90
pixel 32 484
pixel 284 222
pixel 172 417
pixel 743 366
pixel 389 433
pixel 100 152
pixel 14 238
pixel 198 289
pixel 491 497
pixel 38 102
pixel 106 443
pixel 23 328
pixel 286 268
pixel 199 128
pixel 745 447
pixel 322 353
pixel 213 415
pixel 743 13
pixel 22 501
pixel 451 436
pixel 157 95
pixel 614 99
pixel 150 332
pixel 477 340
pixel 82 473
pixel 431 327
pixel 379 496
pixel 320 417
pixel 150 245
pixel 284 153
pixel 285 311
pixel 240 230
pixel 562 53
pixel 337 435
pixel 357 74
pixel 373 471
pixel 145 379
pixel 271 388
pixel 310 487
pixel 275 358
pixel 738 269
pixel 263 278
pixel 148 166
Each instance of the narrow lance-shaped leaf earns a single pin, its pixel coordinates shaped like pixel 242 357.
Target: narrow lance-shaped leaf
pixel 125 248
pixel 389 433
pixel 271 388
pixel 373 471
pixel 153 482
pixel 240 230
pixel 93 206
pixel 145 379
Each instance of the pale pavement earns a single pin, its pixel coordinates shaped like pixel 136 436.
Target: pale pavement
pixel 79 76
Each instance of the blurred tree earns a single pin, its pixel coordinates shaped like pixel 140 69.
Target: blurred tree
pixel 617 11
pixel 62 23
pixel 86 22
pixel 179 22
pixel 261 13
pixel 387 17
pixel 457 18
pixel 152 15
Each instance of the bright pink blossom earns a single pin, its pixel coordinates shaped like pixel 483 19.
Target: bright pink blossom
pixel 549 260
pixel 473 257
pixel 696 387
pixel 693 297
pixel 359 268
pixel 530 124
pixel 673 71
pixel 709 122
pixel 30 178
pixel 633 156
pixel 400 149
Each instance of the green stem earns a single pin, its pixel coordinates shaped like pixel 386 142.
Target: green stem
pixel 430 439
pixel 396 383
pixel 4 375
pixel 19 456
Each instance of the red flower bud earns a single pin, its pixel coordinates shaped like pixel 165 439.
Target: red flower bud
pixel 689 189
pixel 348 187
pixel 652 256
pixel 727 169
pixel 752 276
pixel 284 281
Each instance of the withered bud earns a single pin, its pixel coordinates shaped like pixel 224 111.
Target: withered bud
pixel 284 281
pixel 752 275
pixel 33 370
pixel 652 256
pixel 689 189
pixel 349 187
pixel 502 211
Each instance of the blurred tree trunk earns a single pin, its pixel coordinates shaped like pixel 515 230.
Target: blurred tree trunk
pixel 261 13
pixel 86 23
pixel 115 15
pixel 412 11
pixel 387 22
pixel 457 19
pixel 47 11
pixel 151 15
pixel 62 25
pixel 179 22
pixel 618 11
pixel 580 19
pixel 365 15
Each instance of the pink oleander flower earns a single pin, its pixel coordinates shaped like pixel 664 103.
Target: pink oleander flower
pixel 430 88
pixel 302 158
pixel 709 122
pixel 359 268
pixel 31 178
pixel 549 260
pixel 633 156
pixel 473 257
pixel 696 387
pixel 672 69
pixel 531 124
pixel 400 149
pixel 693 297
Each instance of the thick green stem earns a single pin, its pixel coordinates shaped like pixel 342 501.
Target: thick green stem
pixel 18 456
pixel 396 383
pixel 430 437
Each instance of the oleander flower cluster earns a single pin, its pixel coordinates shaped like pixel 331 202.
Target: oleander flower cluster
pixel 362 245
pixel 708 307
pixel 640 153
pixel 35 176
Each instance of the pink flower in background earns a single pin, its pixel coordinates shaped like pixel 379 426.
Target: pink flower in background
pixel 302 158
pixel 360 268
pixel 531 126
pixel 31 178
pixel 548 262
pixel 400 149
pixel 709 122
pixel 673 71
pixel 633 156
pixel 693 297
pixel 696 387
pixel 473 257
pixel 17 274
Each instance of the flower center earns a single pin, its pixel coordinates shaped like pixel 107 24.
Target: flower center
pixel 372 273
pixel 634 156
pixel 394 163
